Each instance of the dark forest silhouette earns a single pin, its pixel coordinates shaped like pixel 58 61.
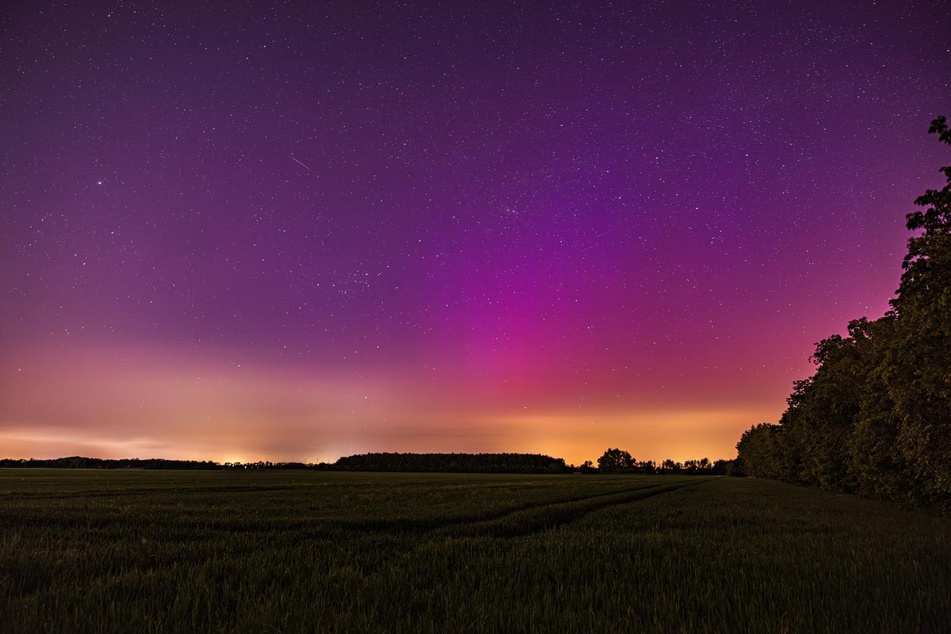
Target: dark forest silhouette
pixel 453 462
pixel 875 417
pixel 81 462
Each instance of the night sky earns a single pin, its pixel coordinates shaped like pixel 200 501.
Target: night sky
pixel 295 231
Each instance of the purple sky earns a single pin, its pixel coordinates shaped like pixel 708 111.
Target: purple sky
pixel 237 230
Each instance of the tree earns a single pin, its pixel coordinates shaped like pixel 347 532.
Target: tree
pixel 918 372
pixel 722 467
pixel 874 463
pixel 758 451
pixel 669 466
pixel 822 415
pixel 615 461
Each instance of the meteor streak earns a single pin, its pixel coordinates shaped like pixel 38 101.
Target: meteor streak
pixel 301 164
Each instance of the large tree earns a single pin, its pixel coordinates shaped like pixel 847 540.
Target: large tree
pixel 615 461
pixel 919 372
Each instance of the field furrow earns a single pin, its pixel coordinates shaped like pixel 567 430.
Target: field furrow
pixel 548 516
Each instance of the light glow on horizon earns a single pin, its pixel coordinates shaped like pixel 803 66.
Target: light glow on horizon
pixel 145 409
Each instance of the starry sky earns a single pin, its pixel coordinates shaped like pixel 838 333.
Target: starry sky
pixel 294 231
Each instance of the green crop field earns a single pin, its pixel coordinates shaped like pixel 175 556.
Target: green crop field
pixel 289 551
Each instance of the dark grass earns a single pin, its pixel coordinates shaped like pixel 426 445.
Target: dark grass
pixel 347 552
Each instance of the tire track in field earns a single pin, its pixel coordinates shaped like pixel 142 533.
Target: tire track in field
pixel 523 519
pixel 524 522
pixel 501 522
pixel 509 524
pixel 409 525
pixel 305 527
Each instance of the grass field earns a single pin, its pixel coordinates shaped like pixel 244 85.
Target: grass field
pixel 287 551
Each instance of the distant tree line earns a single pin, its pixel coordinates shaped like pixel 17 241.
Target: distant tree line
pixel 452 463
pixel 875 417
pixel 619 461
pixel 410 462
pixel 614 461
pixel 79 462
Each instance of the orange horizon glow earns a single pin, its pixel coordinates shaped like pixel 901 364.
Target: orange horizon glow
pixel 156 403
